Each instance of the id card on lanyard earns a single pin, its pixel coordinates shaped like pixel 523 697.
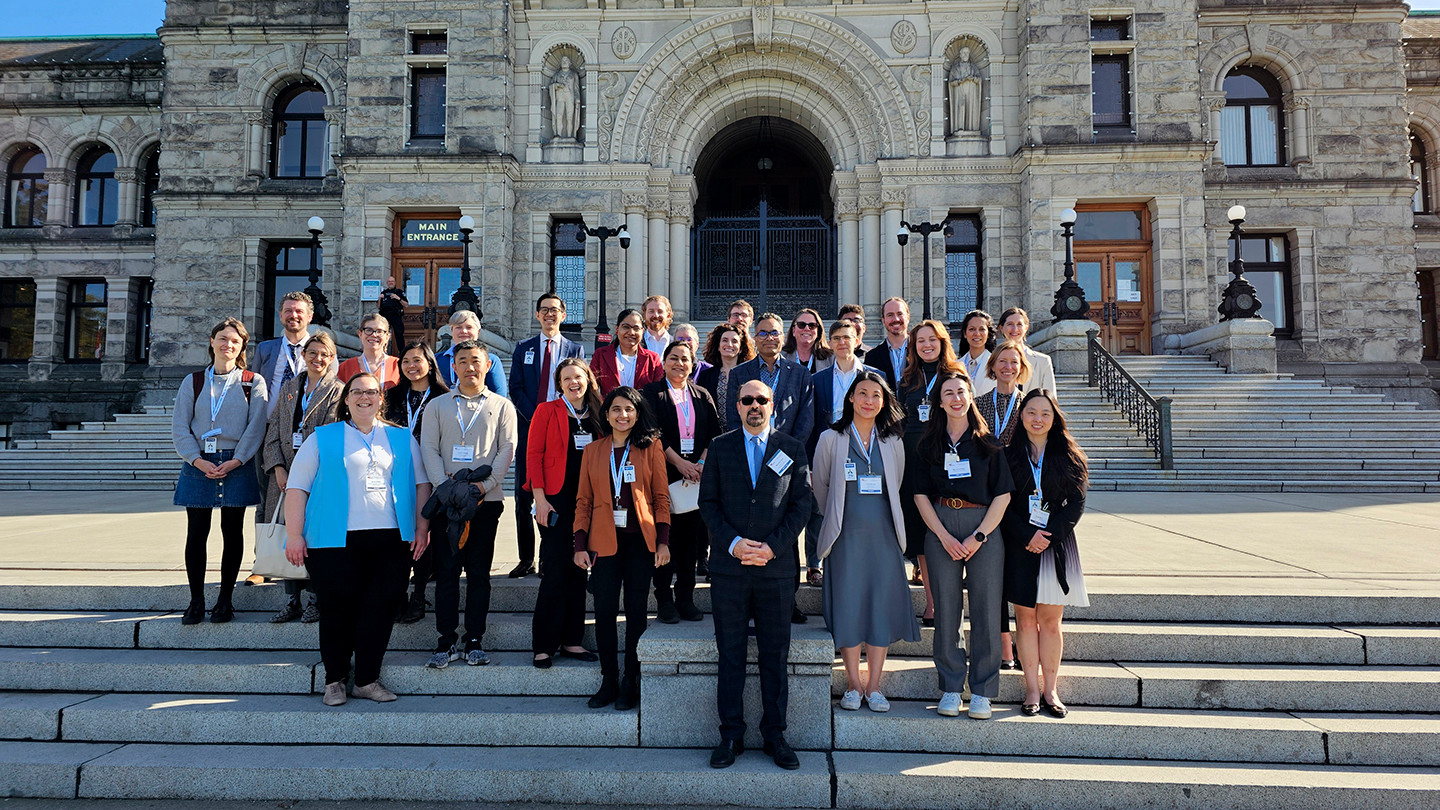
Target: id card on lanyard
pixel 1039 516
pixel 374 476
pixel 463 453
pixel 580 438
pixel 870 483
pixel 924 410
pixel 619 477
pixel 212 437
pixel 1002 422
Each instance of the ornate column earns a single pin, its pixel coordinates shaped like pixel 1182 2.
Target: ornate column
pixel 128 184
pixel 61 187
pixel 635 257
pixel 1215 104
pixel 870 247
pixel 892 281
pixel 333 117
pixel 681 208
pixel 659 260
pixel 1299 109
pixel 847 211
pixel 256 122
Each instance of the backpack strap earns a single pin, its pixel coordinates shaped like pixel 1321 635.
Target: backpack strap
pixel 247 381
pixel 197 382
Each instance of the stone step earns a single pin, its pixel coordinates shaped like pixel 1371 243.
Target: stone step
pixel 1113 484
pixel 918 781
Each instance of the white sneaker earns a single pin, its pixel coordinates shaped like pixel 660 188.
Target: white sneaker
pixel 949 705
pixel 442 658
pixel 850 701
pixel 877 702
pixel 979 707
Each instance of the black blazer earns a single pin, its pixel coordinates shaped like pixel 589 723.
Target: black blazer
pixel 774 511
pixel 878 358
pixel 707 421
pixel 1022 568
pixel 709 379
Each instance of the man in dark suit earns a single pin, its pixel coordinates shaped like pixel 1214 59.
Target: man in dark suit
pixel 889 357
pixel 754 498
pixel 532 381
pixel 794 392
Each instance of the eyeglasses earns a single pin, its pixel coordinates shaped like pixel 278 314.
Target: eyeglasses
pixel 628 327
pixel 806 325
pixel 371 331
pixel 359 393
pixel 550 310
pixel 749 400
pixel 684 340
pixel 770 333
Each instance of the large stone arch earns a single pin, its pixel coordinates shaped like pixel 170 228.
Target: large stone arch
pixel 1287 60
pixel 263 79
pixel 810 66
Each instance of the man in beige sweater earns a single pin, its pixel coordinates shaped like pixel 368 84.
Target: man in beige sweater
pixel 467 428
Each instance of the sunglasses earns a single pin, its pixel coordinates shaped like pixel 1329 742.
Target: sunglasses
pixel 770 333
pixel 749 400
pixel 806 325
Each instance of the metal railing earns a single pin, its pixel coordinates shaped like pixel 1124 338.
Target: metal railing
pixel 1149 415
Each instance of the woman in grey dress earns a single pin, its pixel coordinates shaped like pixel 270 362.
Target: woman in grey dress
pixel 859 463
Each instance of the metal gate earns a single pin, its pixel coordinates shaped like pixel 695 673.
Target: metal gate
pixel 778 263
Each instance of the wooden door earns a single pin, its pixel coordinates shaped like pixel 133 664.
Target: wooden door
pixel 1117 284
pixel 428 284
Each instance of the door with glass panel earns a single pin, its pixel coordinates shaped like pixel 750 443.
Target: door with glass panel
pixel 428 284
pixel 1118 286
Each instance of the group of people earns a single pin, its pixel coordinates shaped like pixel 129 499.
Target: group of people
pixel 652 464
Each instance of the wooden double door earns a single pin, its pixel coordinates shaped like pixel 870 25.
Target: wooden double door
pixel 428 283
pixel 1117 283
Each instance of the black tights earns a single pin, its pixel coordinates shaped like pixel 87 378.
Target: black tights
pixel 232 532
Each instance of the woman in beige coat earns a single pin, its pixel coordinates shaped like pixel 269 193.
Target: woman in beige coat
pixel 859 463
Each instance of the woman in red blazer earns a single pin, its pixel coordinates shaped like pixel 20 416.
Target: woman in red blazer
pixel 626 362
pixel 559 433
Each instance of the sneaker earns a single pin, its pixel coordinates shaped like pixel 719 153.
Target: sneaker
pixel 850 701
pixel 289 613
pixel 477 658
pixel 877 702
pixel 979 707
pixel 334 694
pixel 442 658
pixel 373 691
pixel 949 705
pixel 312 613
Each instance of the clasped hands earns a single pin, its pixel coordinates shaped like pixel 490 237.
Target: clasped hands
pixel 217 471
pixel 959 550
pixel 753 552
pixel 1039 542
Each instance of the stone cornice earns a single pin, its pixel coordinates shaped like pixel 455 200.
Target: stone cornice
pixel 1300 12
pixel 1091 153
pixel 254 34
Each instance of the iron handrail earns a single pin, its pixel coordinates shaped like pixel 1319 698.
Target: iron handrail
pixel 1149 415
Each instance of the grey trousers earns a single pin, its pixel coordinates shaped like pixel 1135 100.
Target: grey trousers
pixel 984 576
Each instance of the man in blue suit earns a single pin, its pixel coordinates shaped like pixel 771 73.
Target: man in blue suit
pixel 794 411
pixel 465 325
pixel 278 359
pixel 532 381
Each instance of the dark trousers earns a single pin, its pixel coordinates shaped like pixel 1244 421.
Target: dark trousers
pixel 687 534
pixel 524 521
pixel 197 535
pixel 631 567
pixel 475 559
pixel 361 585
pixel 736 600
pixel 560 604
pixel 424 569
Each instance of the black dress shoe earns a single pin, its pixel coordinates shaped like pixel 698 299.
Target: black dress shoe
pixel 524 569
pixel 667 613
pixel 723 755
pixel 783 754
pixel 688 611
pixel 193 614
pixel 609 690
pixel 1029 709
pixel 1053 709
pixel 702 568
pixel 1012 664
pixel 796 617
pixel 629 696
pixel 221 613
pixel 544 663
pixel 583 655
pixel 414 610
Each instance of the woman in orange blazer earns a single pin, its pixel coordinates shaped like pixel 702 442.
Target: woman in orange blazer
pixel 622 533
pixel 559 433
pixel 626 361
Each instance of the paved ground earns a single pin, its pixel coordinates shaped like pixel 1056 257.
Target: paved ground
pixel 1167 542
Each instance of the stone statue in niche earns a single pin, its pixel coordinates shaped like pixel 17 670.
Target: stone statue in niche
pixel 564 90
pixel 964 81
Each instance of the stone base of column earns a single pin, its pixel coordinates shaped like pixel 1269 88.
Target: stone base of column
pixel 1241 346
pixel 1065 342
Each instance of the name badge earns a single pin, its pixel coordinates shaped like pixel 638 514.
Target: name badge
pixel 463 453
pixel 836 414
pixel 870 485
pixel 582 441
pixel 924 412
pixel 212 445
pixel 530 357
pixel 374 479
pixel 779 462
pixel 687 446
pixel 622 518
pixel 958 468
pixel 1038 516
pixel 296 439
pixel 627 474
pixel 850 471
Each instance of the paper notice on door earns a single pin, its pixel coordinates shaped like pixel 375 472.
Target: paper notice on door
pixel 415 294
pixel 1125 290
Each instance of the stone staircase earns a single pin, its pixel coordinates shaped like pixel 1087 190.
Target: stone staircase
pixel 1180 696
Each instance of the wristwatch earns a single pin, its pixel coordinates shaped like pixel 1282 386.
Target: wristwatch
pixel 979 537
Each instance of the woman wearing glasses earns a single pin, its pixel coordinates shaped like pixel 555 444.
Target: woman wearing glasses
pixel 688 334
pixel 805 342
pixel 374 333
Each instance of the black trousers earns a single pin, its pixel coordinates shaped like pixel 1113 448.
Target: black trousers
pixel 687 535
pixel 631 567
pixel 423 568
pixel 361 585
pixel 475 559
pixel 524 522
pixel 736 600
pixel 560 604
pixel 197 535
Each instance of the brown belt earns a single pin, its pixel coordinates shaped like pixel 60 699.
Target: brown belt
pixel 959 503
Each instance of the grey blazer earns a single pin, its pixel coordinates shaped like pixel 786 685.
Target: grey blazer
pixel 278 450
pixel 827 479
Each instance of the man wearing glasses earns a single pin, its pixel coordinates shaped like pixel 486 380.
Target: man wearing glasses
pixel 794 407
pixel 855 314
pixel 741 314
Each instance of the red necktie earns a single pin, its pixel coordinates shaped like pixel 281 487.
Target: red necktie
pixel 544 391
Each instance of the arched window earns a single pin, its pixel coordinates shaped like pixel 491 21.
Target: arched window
pixel 1251 127
pixel 27 193
pixel 297 139
pixel 149 184
pixel 97 195
pixel 1420 171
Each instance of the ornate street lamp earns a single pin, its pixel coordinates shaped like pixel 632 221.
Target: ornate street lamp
pixel 1070 299
pixel 1239 299
pixel 465 296
pixel 322 305
pixel 602 326
pixel 924 229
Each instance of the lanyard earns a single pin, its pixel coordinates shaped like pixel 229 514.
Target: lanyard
pixel 1035 470
pixel 840 385
pixel 929 386
pixel 865 447
pixel 972 365
pixel 623 366
pixel 617 477
pixel 955 445
pixel 378 374
pixel 465 426
pixel 368 441
pixel 217 402
pixel 412 413
pixel 571 409
pixel 681 397
pixel 1009 409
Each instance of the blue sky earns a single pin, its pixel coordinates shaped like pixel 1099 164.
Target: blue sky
pixel 80 17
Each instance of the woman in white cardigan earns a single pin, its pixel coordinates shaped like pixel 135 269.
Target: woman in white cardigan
pixel 859 463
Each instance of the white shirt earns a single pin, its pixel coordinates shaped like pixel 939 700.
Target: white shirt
pixel 764 438
pixel 626 366
pixel 840 383
pixel 272 383
pixel 658 343
pixel 547 386
pixel 368 508
pixel 975 367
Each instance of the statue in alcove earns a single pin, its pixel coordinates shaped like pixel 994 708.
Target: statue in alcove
pixel 565 101
pixel 964 83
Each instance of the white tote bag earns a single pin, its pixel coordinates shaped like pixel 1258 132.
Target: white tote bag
pixel 684 497
pixel 270 549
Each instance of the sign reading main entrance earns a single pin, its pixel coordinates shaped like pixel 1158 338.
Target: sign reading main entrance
pixel 430 233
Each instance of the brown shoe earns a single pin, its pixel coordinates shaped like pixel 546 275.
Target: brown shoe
pixel 254 579
pixel 335 694
pixel 373 691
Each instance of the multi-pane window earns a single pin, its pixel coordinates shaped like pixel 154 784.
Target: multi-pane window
pixel 964 285
pixel 1251 127
pixel 17 319
pixel 142 308
pixel 149 185
pixel 287 269
pixel 567 261
pixel 97 194
pixel 298 134
pixel 85 320
pixel 1110 103
pixel 427 58
pixel 1420 172
pixel 27 192
pixel 1267 268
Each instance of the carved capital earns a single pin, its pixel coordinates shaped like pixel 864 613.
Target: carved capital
pixel 1297 103
pixel 658 205
pixel 892 198
pixel 635 203
pixel 869 202
pixel 681 208
pixel 1216 103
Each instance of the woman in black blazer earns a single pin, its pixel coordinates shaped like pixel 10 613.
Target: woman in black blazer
pixel 1042 560
pixel 672 399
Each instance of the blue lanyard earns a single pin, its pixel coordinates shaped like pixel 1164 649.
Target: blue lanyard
pixel 617 479
pixel 1035 470
pixel 465 426
pixel 368 441
pixel 683 403
pixel 217 402
pixel 930 386
pixel 380 375
pixel 412 414
pixel 1009 409
pixel 865 447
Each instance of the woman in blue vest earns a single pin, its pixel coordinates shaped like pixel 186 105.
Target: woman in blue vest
pixel 352 515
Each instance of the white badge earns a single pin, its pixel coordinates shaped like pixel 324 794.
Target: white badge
pixel 530 357
pixel 627 474
pixel 836 414
pixel 1038 516
pixel 850 471
pixel 687 446
pixel 374 479
pixel 779 462
pixel 958 468
pixel 924 412
pixel 296 439
pixel 212 445
pixel 463 453
pixel 582 440
pixel 869 485
pixel 622 518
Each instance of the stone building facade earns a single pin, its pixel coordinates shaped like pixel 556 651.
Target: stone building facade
pixel 750 147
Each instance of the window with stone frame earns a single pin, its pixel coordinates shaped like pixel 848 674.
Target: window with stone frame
pixel 567 262
pixel 1267 268
pixel 27 192
pixel 287 269
pixel 17 319
pixel 97 193
pixel 149 186
pixel 142 307
pixel 964 279
pixel 1252 127
pixel 1422 202
pixel 1111 106
pixel 85 319
pixel 427 58
pixel 298 133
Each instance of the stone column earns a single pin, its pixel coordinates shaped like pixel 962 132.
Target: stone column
pixel 870 249
pixel 1299 109
pixel 255 126
pixel 659 259
pixel 847 210
pixel 680 210
pixel 62 184
pixel 333 117
pixel 49 346
pixel 118 307
pixel 892 279
pixel 129 187
pixel 635 276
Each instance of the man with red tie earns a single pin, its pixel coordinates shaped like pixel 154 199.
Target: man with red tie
pixel 532 381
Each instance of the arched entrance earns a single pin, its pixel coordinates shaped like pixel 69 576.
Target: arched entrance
pixel 764 221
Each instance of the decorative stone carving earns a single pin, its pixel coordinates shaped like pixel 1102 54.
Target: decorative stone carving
pixel 917 89
pixel 762 18
pixel 623 42
pixel 612 87
pixel 869 202
pixel 964 84
pixel 635 201
pixel 903 37
pixel 564 92
pixel 892 197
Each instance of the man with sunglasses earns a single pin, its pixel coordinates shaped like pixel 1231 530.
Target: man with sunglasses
pixel 793 408
pixel 754 498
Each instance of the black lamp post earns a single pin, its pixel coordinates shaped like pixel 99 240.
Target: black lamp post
pixel 1239 299
pixel 602 325
pixel 322 305
pixel 465 297
pixel 1070 299
pixel 924 229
